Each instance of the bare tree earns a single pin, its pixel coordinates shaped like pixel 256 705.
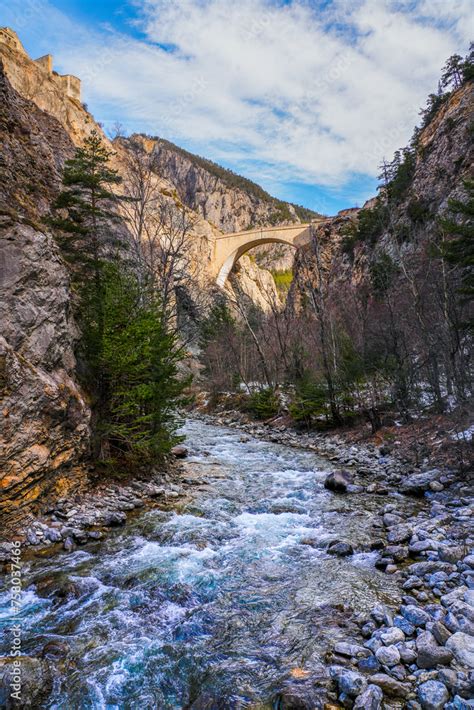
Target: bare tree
pixel 160 225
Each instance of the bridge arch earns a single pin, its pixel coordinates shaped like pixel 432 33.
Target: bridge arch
pixel 230 247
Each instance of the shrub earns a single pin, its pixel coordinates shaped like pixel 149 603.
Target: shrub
pixel 264 403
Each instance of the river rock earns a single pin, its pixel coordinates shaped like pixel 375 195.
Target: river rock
pixel 338 481
pixel 417 484
pixel 440 632
pixel 370 699
pixel 368 665
pixel 462 704
pixel 340 548
pixel 68 544
pixel 179 452
pixel 403 624
pixel 388 655
pixel 351 683
pixel 412 583
pixel 382 615
pixel 462 645
pixel 429 653
pixel 432 695
pixel 351 650
pixel 32 537
pixel 53 535
pixel 55 649
pixel 414 615
pixel 399 534
pixel 115 519
pixel 389 685
pixel 451 554
pixel 391 519
pixel 392 635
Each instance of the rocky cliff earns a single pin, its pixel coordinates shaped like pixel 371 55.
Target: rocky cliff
pixel 230 202
pixel 44 415
pixel 433 171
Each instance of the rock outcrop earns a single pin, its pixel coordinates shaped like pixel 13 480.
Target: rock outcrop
pixel 228 201
pixel 442 161
pixel 44 415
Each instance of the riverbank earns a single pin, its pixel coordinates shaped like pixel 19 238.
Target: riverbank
pixel 90 514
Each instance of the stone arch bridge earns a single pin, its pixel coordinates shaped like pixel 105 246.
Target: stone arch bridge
pixel 229 248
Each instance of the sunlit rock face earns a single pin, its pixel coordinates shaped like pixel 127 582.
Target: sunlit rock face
pixel 44 415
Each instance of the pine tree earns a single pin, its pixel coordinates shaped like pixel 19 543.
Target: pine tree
pixel 129 359
pixel 85 218
pixel 459 249
pixel 453 72
pixel 141 359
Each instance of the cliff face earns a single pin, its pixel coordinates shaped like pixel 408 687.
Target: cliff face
pixel 35 84
pixel 44 416
pixel 443 158
pixel 228 201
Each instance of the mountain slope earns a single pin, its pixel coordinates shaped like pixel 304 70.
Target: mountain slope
pixel 229 201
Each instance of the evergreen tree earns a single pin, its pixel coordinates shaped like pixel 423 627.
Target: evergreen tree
pixel 453 72
pixel 85 216
pixel 141 360
pixel 129 359
pixel 459 249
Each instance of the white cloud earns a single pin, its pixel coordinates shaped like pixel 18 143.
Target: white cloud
pixel 317 95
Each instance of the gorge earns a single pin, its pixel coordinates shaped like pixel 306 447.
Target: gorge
pixel 303 539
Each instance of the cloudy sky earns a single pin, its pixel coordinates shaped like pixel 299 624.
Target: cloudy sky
pixel 306 97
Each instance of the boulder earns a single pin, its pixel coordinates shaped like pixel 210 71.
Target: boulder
pixel 370 699
pixel 432 695
pixel 340 549
pixel 462 645
pixel 338 481
pixel 429 654
pixel 418 483
pixel 179 451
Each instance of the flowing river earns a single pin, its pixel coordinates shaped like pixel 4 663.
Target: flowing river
pixel 221 603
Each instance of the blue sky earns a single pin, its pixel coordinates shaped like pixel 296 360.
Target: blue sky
pixel 306 97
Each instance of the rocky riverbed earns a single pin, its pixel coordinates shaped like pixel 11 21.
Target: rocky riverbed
pixel 420 655
pixel 412 649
